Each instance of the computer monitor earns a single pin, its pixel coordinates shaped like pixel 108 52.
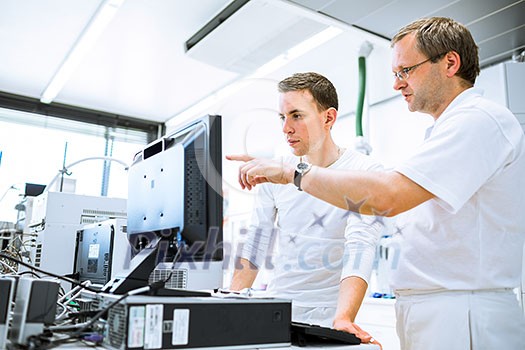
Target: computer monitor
pixel 175 210
pixel 34 190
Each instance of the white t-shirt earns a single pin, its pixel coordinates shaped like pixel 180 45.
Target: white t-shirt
pixel 309 245
pixel 471 235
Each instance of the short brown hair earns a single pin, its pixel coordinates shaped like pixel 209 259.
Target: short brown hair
pixel 322 90
pixel 436 36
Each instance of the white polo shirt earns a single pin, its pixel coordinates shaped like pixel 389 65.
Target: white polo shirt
pixel 471 235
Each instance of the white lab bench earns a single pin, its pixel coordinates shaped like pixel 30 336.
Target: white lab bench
pixel 316 347
pixel 333 347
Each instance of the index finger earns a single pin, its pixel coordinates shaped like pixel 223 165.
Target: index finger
pixel 240 157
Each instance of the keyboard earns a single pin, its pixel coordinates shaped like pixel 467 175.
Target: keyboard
pixel 304 334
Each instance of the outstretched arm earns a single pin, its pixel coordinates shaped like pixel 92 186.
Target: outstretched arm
pixel 369 192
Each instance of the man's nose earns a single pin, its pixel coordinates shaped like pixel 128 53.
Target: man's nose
pixel 287 128
pixel 399 83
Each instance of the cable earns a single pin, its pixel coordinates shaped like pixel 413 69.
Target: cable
pixel 85 326
pixel 45 341
pixel 10 265
pixel 64 311
pixel 64 301
pixel 77 290
pixel 180 244
pixel 29 272
pixel 41 341
pixel 7 266
pixel 66 279
pixel 12 187
pixel 81 328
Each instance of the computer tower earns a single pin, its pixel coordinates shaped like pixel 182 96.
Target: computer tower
pixel 35 306
pixel 7 287
pixel 55 220
pixel 150 322
pixel 102 250
pixel 522 289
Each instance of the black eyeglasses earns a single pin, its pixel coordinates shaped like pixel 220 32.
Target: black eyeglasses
pixel 403 73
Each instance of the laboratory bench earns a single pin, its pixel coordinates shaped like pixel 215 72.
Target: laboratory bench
pixel 325 347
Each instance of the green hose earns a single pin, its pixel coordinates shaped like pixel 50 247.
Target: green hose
pixel 360 97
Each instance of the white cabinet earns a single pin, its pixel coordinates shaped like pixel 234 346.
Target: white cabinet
pixel 522 296
pixel 377 317
pixel 505 83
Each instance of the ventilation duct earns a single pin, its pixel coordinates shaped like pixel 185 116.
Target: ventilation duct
pixel 248 33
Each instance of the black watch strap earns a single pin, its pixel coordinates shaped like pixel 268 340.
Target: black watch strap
pixel 297 176
pixel 301 170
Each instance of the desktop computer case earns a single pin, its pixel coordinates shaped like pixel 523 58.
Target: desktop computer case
pixel 7 287
pixel 149 322
pixel 35 307
pixel 55 220
pixel 102 249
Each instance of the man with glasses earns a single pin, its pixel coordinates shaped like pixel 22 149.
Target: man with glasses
pixel 462 195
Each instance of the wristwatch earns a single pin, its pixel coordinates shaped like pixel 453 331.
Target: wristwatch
pixel 301 170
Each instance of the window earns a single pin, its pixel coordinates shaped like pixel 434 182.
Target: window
pixel 35 147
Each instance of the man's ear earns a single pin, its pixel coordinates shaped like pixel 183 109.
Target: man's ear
pixel 453 61
pixel 331 117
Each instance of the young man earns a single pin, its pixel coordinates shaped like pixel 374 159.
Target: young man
pixel 463 193
pixel 324 254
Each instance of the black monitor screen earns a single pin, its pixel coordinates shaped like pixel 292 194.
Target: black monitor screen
pixel 34 190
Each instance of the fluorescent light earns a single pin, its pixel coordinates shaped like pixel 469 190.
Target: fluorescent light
pixel 297 51
pixel 274 64
pixel 83 45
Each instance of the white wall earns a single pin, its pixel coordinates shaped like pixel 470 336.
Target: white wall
pixel 504 83
pixel 394 131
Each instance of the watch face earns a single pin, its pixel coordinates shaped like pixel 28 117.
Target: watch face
pixel 302 166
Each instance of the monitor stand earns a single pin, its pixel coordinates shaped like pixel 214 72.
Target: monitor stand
pixel 137 275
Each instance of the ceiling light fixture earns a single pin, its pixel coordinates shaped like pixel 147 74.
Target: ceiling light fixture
pixel 82 46
pixel 296 51
pixel 269 67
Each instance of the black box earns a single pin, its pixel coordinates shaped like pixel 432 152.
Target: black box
pixel 151 322
pixel 7 287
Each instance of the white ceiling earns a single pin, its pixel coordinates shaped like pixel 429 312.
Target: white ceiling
pixel 138 67
pixel 498 26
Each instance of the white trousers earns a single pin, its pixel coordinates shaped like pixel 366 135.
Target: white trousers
pixel 460 320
